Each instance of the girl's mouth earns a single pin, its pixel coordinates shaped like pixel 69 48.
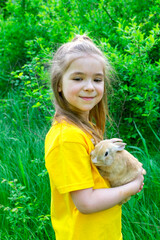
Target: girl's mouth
pixel 87 98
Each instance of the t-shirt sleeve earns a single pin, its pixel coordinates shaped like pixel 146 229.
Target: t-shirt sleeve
pixel 69 167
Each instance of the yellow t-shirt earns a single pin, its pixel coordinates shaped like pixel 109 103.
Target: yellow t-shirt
pixel 67 156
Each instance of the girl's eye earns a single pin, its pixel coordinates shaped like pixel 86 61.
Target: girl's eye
pixel 77 79
pixel 98 80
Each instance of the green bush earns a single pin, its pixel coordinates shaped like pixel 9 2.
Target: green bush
pixel 31 27
pixel 31 82
pixel 136 97
pixel 21 213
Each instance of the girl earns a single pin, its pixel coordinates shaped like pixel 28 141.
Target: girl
pixel 83 206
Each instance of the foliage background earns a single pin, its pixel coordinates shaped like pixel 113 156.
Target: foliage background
pixel 30 31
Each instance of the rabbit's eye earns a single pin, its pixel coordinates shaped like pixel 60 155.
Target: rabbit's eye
pixel 106 153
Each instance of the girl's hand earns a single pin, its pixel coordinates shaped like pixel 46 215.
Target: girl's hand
pixel 141 187
pixel 137 184
pixel 94 200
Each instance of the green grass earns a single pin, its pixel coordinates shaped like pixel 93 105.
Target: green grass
pixel 25 190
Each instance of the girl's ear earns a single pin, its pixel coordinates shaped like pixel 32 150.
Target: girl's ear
pixel 59 87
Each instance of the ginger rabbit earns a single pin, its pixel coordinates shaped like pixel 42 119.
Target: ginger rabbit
pixel 114 163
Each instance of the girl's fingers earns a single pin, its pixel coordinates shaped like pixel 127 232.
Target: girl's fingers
pixel 143 171
pixel 141 187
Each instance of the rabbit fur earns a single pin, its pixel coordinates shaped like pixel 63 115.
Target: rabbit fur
pixel 114 163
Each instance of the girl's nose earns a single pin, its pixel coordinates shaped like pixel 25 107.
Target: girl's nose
pixel 89 86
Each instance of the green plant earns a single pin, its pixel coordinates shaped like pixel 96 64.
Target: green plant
pixel 136 93
pixel 20 213
pixel 31 80
pixel 24 201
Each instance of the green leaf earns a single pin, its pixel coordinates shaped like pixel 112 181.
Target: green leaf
pixel 36 105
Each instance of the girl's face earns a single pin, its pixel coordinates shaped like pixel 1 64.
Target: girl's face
pixel 83 84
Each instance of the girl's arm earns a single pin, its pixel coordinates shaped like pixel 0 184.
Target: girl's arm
pixel 94 200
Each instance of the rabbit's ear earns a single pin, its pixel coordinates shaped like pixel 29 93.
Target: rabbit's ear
pixel 119 146
pixel 114 140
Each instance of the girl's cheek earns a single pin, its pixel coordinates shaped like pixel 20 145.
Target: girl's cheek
pixel 101 90
pixel 75 89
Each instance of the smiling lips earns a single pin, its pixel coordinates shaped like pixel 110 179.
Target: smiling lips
pixel 87 98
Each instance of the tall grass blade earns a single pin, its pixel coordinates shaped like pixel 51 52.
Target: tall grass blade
pixel 143 140
pixel 154 132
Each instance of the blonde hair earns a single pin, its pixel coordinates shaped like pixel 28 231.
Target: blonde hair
pixel 81 45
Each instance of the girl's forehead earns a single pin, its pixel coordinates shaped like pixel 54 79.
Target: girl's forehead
pixel 88 66
pixel 80 59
